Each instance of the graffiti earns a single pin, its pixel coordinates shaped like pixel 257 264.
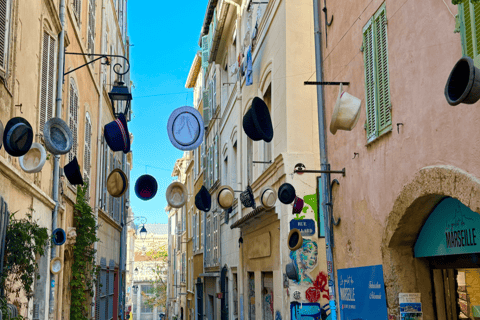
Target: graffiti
pixel 278 315
pixel 319 289
pixel 305 259
pixel 268 306
pixel 297 295
pixel 311 200
pixel 251 295
pixel 309 311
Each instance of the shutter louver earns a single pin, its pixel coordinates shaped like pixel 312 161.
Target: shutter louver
pixel 110 202
pixel 73 121
pixel 87 152
pixel 205 51
pixel 369 82
pixel 206 108
pixel 468 35
pixel 3 33
pixel 77 6
pixel 46 94
pixel 91 26
pixel 384 114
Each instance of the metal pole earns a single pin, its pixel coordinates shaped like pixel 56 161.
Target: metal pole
pixel 325 166
pixel 56 165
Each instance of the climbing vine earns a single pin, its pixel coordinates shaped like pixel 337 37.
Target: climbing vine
pixel 83 271
pixel 25 240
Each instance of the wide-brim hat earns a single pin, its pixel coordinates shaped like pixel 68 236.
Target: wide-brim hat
pixel 203 200
pixel 18 137
pixel 286 193
pixel 34 159
pixel 59 236
pixel 297 205
pixel 268 197
pixel 58 136
pixel 117 135
pixel 185 128
pixel 225 197
pixel 146 187
pixel 117 183
pixel 2 130
pixel 291 271
pixel 295 239
pixel 346 112
pixel 176 194
pixel 73 173
pixel 257 122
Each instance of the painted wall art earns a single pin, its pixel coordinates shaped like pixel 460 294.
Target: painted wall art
pixel 308 311
pixel 305 259
pixel 319 288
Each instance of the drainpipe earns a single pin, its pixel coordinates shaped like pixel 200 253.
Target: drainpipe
pixel 324 159
pixel 56 165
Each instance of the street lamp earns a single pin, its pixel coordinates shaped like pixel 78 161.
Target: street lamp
pixel 120 92
pixel 143 233
pixel 135 289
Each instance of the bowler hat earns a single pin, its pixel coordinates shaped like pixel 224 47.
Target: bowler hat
pixel 268 197
pixel 203 200
pixel 58 136
pixel 286 193
pixel 291 271
pixel 176 194
pixel 257 123
pixel 295 239
pixel 146 187
pixel 59 236
pixel 346 112
pixel 18 137
pixel 225 197
pixel 297 205
pixel 34 159
pixel 117 135
pixel 117 183
pixel 73 173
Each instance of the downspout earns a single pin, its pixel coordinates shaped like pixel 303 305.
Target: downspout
pixel 324 160
pixel 56 165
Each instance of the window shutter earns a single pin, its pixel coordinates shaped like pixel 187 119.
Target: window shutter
pixel 87 151
pixel 368 54
pixel 215 159
pixel 205 51
pixel 77 6
pixel 110 198
pixel 206 108
pixel 91 26
pixel 384 116
pixel 466 29
pixel 4 35
pixel 48 77
pixel 73 121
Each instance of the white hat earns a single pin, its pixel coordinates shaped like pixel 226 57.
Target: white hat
pixel 346 112
pixel 225 197
pixel 34 159
pixel 176 194
pixel 268 197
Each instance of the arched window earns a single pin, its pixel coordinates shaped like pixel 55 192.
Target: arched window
pixel 73 119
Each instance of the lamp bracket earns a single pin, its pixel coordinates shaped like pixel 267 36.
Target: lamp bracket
pixel 326 83
pixel 98 57
pixel 321 171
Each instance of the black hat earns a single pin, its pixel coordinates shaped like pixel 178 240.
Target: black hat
pixel 117 135
pixel 146 187
pixel 286 193
pixel 59 237
pixel 203 200
pixel 257 123
pixel 17 137
pixel 73 173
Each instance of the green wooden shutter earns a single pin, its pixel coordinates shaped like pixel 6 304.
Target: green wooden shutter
pixel 206 108
pixel 205 51
pixel 466 29
pixel 368 54
pixel 384 115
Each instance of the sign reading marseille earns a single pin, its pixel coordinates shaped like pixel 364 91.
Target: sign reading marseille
pixel 362 293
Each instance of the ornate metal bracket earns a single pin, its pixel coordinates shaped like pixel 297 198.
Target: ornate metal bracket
pixel 98 57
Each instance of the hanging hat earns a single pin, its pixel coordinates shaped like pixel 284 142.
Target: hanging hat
pixel 257 123
pixel 117 183
pixel 286 193
pixel 18 137
pixel 346 112
pixel 225 197
pixel 185 128
pixel 291 271
pixel 268 197
pixel 176 194
pixel 295 239
pixel 117 135
pixel 58 136
pixel 34 159
pixel 247 198
pixel 59 236
pixel 203 200
pixel 1 134
pixel 297 205
pixel 73 173
pixel 146 187
pixel 463 84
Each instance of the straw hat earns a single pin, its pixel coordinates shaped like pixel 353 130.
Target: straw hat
pixel 346 112
pixel 34 159
pixel 185 128
pixel 117 183
pixel 176 194
pixel 225 197
pixel 295 239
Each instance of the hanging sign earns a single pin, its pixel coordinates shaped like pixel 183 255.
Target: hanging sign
pixel 362 293
pixel 306 226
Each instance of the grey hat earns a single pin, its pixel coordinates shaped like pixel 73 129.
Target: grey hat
pixel 292 271
pixel 58 136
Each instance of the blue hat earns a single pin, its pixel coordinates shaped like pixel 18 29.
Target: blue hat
pixel 58 136
pixel 18 137
pixel 59 236
pixel 72 172
pixel 117 135
pixel 146 187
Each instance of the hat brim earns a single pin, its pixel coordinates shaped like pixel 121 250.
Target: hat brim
pixel 294 245
pixel 52 147
pixel 223 189
pixel 262 192
pixel 8 127
pixel 168 194
pixel 122 118
pixel 125 183
pixel 336 109
pixel 39 166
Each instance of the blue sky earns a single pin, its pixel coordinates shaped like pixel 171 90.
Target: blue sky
pixel 165 37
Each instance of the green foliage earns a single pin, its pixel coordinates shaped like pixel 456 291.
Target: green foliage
pixel 24 241
pixel 83 271
pixel 157 297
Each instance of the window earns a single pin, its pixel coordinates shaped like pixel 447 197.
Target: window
pixel 267 146
pixel 91 26
pixel 4 33
pixel 202 228
pixel 377 87
pixel 194 226
pixel 146 292
pixel 48 80
pixel 73 119
pixel 87 151
pixel 470 29
pixel 184 262
pixel 103 294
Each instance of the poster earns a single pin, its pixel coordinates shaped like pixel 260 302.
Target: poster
pixel 410 306
pixel 362 293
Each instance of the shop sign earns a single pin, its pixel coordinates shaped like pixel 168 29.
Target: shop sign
pixel 410 306
pixel 362 293
pixel 452 228
pixel 306 227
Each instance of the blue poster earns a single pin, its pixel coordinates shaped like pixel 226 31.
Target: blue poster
pixel 306 226
pixel 362 293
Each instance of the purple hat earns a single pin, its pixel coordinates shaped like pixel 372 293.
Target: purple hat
pixel 297 205
pixel 117 135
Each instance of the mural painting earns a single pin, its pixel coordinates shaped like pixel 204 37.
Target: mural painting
pixel 267 296
pixel 308 311
pixel 319 289
pixel 305 259
pixel 278 315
